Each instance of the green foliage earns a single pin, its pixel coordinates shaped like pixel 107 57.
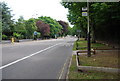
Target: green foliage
pixel 43 28
pixel 107 23
pixel 4 37
pixel 0 22
pixel 25 28
pixel 69 31
pixel 7 22
pixel 20 27
pixel 17 35
pixel 38 35
pixel 0 29
pixel 55 27
pixel 104 19
pixel 75 16
pixel 30 26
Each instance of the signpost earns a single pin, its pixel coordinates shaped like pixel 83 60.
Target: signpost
pixel 85 12
pixel 35 35
pixel 88 37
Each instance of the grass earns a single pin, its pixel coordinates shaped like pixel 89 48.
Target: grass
pixel 101 59
pixel 80 44
pixel 74 74
pixel 83 43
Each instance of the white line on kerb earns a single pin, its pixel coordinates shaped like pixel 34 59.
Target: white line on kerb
pixel 2 67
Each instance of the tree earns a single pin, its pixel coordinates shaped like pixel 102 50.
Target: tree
pixel 20 27
pixel 7 22
pixel 0 22
pixel 64 27
pixel 75 16
pixel 30 26
pixel 104 19
pixel 0 29
pixel 43 28
pixel 70 31
pixel 55 27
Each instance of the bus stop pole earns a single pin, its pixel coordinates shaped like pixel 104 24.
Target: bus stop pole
pixel 88 33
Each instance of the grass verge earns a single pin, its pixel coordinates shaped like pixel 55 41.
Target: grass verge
pixel 108 58
pixel 83 43
pixel 74 74
pixel 101 59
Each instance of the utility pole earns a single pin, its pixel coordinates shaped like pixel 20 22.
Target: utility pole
pixel 88 33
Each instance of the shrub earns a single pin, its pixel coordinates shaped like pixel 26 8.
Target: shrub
pixel 4 37
pixel 38 35
pixel 17 35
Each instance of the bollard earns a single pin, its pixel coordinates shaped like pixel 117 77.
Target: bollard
pixel 12 39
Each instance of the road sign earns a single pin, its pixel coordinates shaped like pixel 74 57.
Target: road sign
pixel 84 13
pixel 84 8
pixel 35 33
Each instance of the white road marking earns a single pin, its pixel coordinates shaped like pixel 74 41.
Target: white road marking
pixel 62 70
pixel 69 66
pixel 2 67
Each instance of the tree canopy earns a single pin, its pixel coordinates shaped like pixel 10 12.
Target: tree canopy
pixel 43 28
pixel 7 22
pixel 30 26
pixel 24 29
pixel 104 19
pixel 64 27
pixel 55 27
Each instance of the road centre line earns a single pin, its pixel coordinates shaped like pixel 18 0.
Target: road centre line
pixel 2 67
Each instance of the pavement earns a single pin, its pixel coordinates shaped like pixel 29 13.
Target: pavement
pixel 9 41
pixel 5 42
pixel 44 59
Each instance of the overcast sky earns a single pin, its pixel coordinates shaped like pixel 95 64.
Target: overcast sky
pixel 37 8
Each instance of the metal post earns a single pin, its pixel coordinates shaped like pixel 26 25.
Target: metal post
pixel 88 33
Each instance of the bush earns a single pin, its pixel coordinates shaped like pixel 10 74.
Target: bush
pixel 38 35
pixel 4 37
pixel 17 35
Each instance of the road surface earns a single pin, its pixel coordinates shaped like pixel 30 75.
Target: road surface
pixel 45 59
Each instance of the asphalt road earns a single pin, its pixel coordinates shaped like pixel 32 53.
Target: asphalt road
pixel 48 59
